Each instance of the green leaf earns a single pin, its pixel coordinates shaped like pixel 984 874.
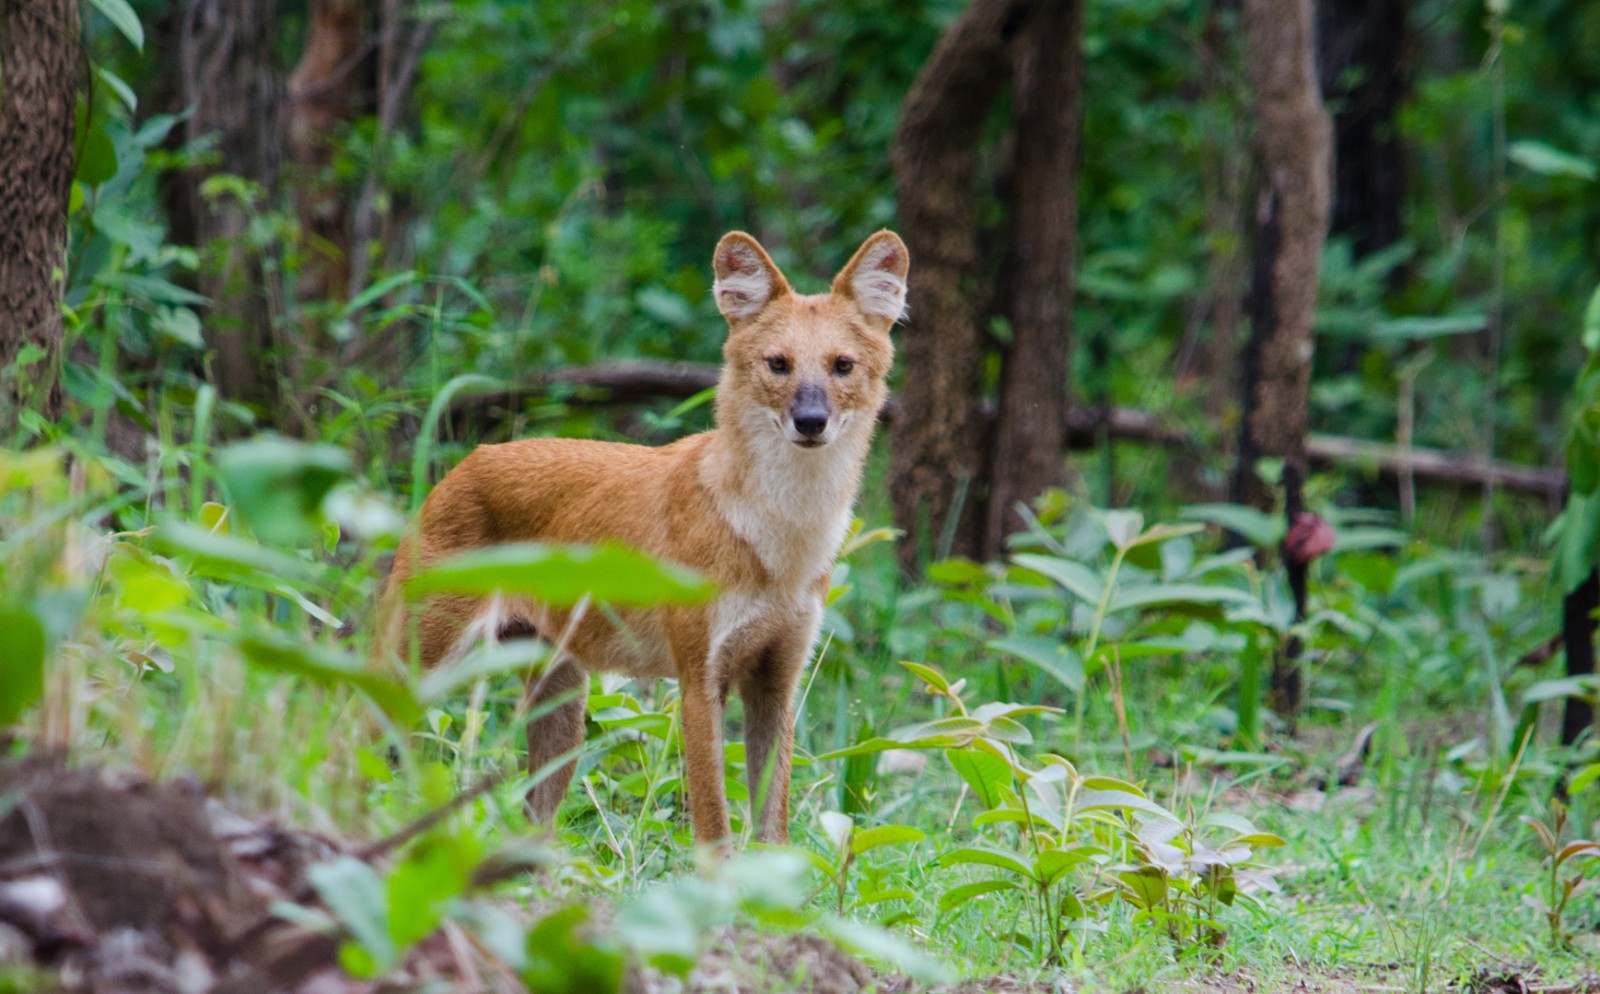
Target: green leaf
pixel 1121 800
pixel 97 156
pixel 280 652
pixel 885 835
pixel 435 871
pixel 1052 655
pixel 227 557
pixel 379 289
pixel 1052 863
pixel 1123 527
pixel 566 955
pixel 929 676
pixel 1547 160
pixel 1145 887
pixel 1428 326
pixel 1549 690
pixel 1079 580
pixel 562 575
pixel 1588 775
pixel 988 775
pixel 1260 529
pixel 1178 593
pixel 278 485
pixel 354 892
pixel 955 897
pixel 22 650
pixel 881 945
pixel 1591 322
pixel 122 17
pixel 983 855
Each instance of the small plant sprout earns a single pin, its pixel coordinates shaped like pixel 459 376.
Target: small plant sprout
pixel 1578 855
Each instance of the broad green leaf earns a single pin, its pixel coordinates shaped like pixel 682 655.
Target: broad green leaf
pixel 1079 580
pixel 1235 823
pixel 884 835
pixel 1547 160
pixel 1549 690
pixel 122 17
pixel 988 775
pixel 1588 775
pixel 1051 655
pixel 1123 527
pixel 1591 322
pixel 1258 528
pixel 929 676
pixel 1145 887
pixel 282 653
pixel 939 733
pixel 836 827
pixel 1167 594
pixel 354 892
pixel 22 649
pixel 1052 863
pixel 565 955
pixel 881 945
pixel 379 289
pixel 955 897
pixel 1260 839
pixel 983 855
pixel 1428 326
pixel 1121 800
pixel 435 871
pixel 216 554
pixel 562 575
pixel 278 484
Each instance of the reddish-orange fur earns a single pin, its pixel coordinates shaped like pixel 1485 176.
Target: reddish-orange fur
pixel 757 504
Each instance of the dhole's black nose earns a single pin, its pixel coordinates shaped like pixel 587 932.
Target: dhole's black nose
pixel 810 410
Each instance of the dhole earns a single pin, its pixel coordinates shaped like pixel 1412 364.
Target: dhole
pixel 760 504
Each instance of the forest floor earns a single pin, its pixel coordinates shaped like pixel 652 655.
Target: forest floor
pixel 112 883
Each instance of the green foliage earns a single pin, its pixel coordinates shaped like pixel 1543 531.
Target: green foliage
pixel 564 575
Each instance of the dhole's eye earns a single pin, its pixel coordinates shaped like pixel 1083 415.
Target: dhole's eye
pixel 778 364
pixel 842 367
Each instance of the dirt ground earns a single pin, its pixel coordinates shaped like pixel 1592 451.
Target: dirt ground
pixel 111 884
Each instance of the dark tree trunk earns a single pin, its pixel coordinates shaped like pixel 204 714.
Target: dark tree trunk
pixel 229 78
pixel 937 444
pixel 1030 431
pixel 1292 220
pixel 1577 631
pixel 324 96
pixel 1363 48
pixel 39 69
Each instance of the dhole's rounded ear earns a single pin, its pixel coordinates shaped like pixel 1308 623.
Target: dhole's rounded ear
pixel 875 277
pixel 747 281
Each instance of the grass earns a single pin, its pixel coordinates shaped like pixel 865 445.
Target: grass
pixel 1412 874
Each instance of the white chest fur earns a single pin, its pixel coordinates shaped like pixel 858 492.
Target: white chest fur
pixel 794 508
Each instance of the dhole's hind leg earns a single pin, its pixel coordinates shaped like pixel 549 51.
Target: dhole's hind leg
pixel 562 694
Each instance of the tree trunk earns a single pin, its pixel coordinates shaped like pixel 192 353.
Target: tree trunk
pixel 1030 437
pixel 229 78
pixel 1292 221
pixel 39 69
pixel 1363 57
pixel 1577 630
pixel 324 95
pixel 937 444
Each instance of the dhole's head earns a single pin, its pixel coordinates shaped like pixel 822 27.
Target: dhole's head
pixel 807 366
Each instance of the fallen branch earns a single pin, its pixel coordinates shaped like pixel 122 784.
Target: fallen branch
pixel 633 381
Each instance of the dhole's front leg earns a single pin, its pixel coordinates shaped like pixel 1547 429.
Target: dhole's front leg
pixel 767 690
pixel 702 707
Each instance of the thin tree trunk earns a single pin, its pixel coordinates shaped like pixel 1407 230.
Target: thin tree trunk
pixel 1292 221
pixel 937 455
pixel 1363 48
pixel 1030 437
pixel 1577 630
pixel 230 80
pixel 39 70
